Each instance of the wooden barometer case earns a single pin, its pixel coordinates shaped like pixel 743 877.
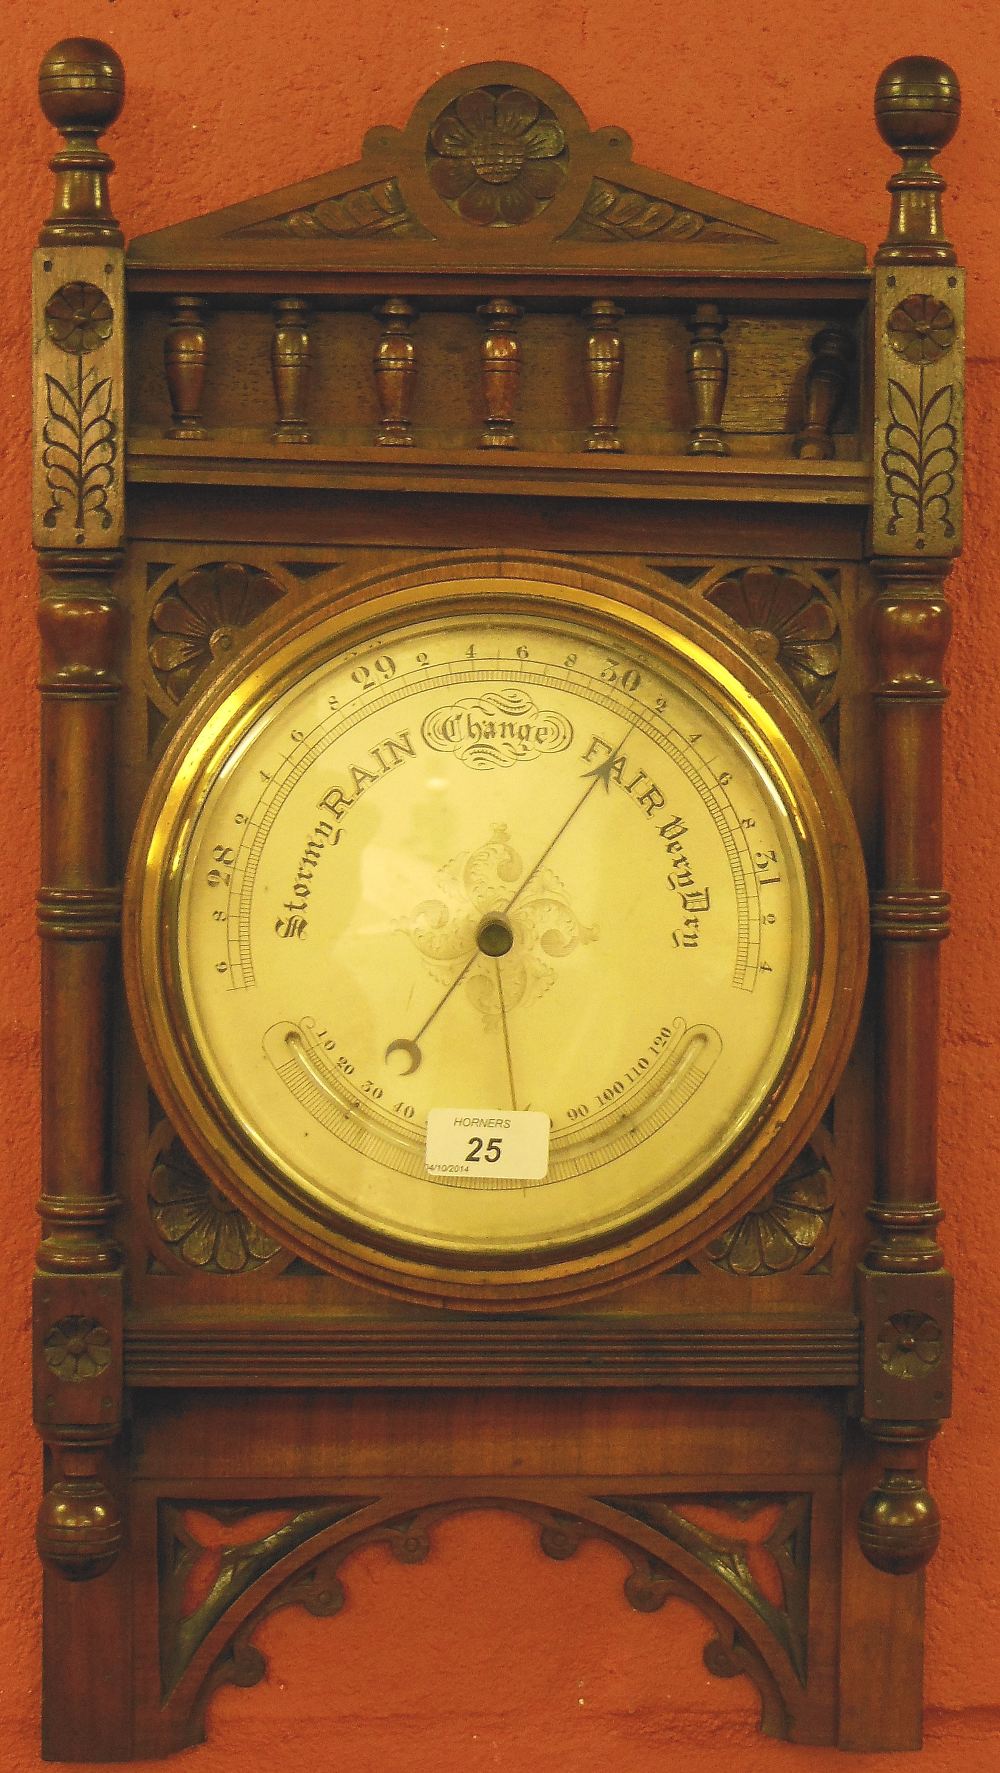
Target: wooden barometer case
pixel 492 624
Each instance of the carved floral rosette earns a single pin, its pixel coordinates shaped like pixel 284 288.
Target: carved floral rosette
pixel 496 156
pixel 484 156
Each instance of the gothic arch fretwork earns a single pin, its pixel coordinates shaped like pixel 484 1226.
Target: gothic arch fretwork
pixel 207 1632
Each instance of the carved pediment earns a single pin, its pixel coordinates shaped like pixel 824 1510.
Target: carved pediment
pixel 496 167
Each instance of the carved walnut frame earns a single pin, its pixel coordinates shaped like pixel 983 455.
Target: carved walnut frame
pixel 494 325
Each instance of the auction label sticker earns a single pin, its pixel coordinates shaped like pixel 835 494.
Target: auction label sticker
pixel 488 1142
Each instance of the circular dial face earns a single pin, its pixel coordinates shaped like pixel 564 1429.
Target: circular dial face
pixel 490 859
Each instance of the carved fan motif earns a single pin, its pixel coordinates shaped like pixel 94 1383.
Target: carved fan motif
pixel 195 623
pixel 201 1227
pixel 789 623
pixel 785 1229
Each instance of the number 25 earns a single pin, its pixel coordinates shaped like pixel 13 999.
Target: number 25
pixel 492 1152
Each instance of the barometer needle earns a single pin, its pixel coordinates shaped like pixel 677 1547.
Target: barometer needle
pixel 506 1039
pixel 602 774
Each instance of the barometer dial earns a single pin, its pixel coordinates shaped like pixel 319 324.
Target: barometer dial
pixel 494 847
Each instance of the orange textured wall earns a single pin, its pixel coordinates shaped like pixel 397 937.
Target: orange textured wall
pixel 489 1656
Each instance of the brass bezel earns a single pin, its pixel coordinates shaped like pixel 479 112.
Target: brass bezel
pixel 754 699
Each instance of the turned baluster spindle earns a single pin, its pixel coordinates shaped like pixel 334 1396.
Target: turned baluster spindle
pixel 185 354
pixel 395 366
pixel 707 373
pixel 501 368
pixel 827 382
pixel 291 352
pixel 604 367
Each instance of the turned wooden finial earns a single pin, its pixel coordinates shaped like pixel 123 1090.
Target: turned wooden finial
pixel 81 87
pixel 917 109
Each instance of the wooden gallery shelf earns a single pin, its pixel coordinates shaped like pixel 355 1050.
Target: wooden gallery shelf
pixel 241 462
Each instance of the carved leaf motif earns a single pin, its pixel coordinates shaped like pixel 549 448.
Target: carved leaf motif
pixel 199 1557
pixel 362 214
pixel 316 1583
pixel 766 1563
pixel 614 212
pixel 920 456
pixel 80 446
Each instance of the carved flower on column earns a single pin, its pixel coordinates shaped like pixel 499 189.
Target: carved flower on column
pixel 909 1344
pixel 788 623
pixel 196 622
pixel 199 1223
pixel 921 329
pixel 78 318
pixel 787 1226
pixel 493 156
pixel 77 1348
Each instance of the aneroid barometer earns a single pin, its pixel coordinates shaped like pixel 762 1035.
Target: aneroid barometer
pixel 492 620
pixel 495 933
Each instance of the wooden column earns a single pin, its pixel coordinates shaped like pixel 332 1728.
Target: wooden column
pixel 903 1292
pixel 78 518
pixel 891 1523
